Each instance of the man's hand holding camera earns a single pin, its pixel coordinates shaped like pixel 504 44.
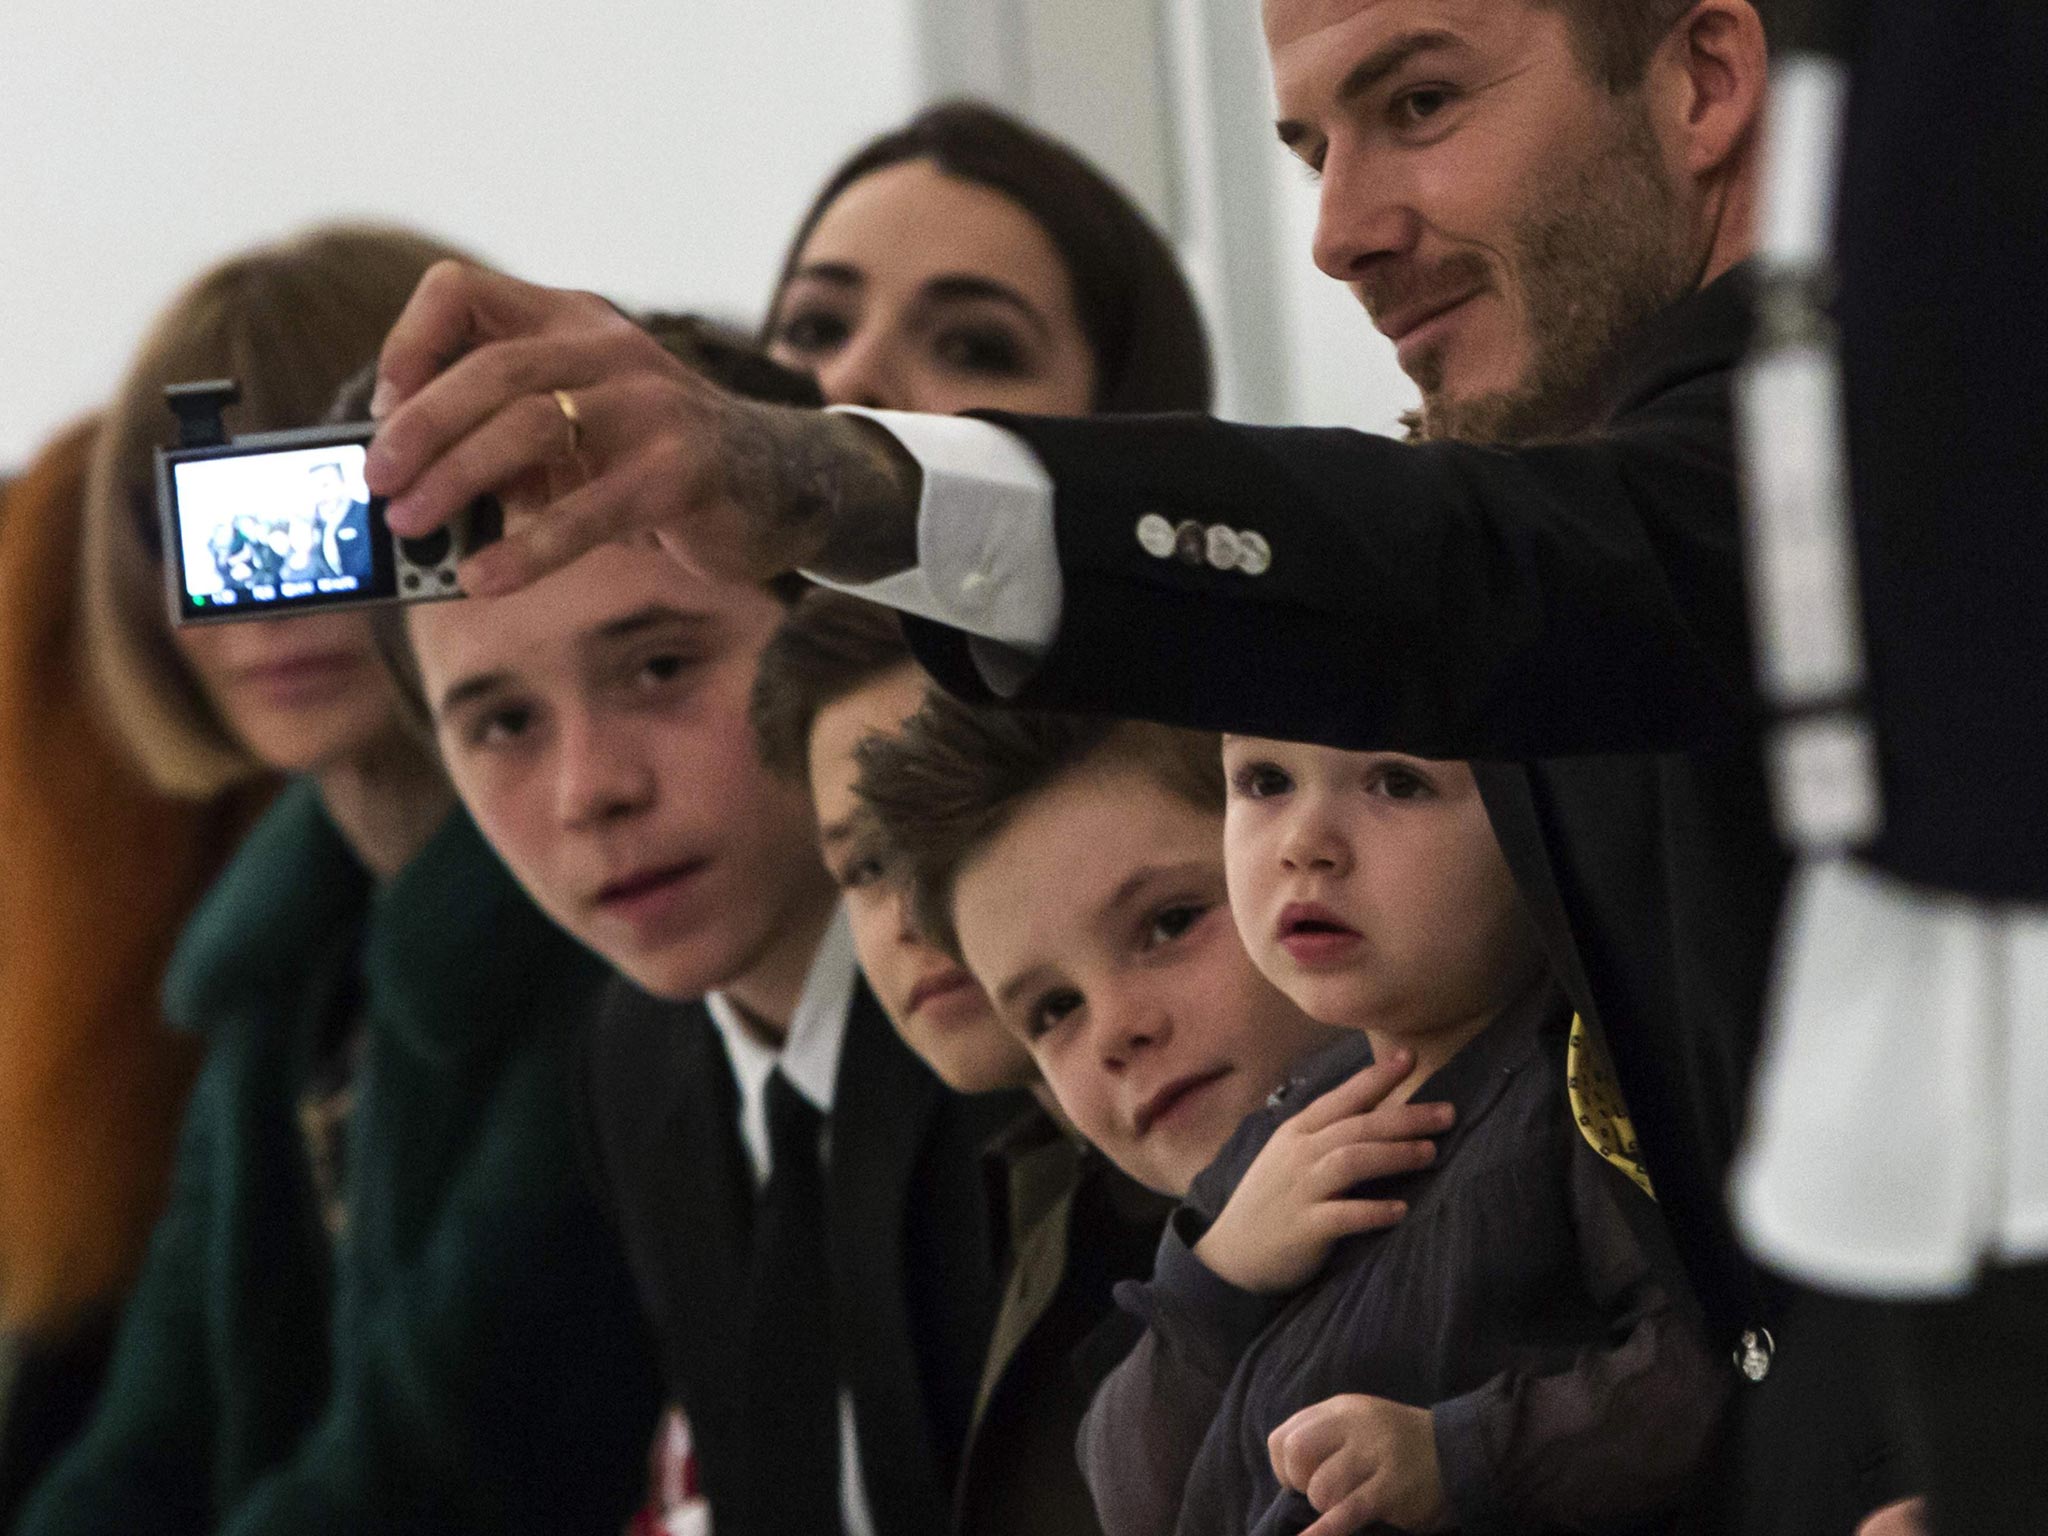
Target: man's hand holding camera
pixel 490 384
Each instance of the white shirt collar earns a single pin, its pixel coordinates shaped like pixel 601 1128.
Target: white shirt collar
pixel 809 1057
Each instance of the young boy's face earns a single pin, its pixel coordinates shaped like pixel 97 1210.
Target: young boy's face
pixel 938 1008
pixel 595 724
pixel 1370 888
pixel 1097 921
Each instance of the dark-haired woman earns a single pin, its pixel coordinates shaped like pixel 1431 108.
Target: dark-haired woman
pixel 968 262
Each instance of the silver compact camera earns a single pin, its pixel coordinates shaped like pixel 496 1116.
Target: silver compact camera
pixel 281 522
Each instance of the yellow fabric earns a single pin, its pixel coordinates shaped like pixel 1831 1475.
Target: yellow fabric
pixel 1598 1106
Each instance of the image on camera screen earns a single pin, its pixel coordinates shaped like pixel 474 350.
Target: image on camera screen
pixel 275 527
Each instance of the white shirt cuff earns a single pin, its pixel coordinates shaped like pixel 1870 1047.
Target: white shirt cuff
pixel 987 562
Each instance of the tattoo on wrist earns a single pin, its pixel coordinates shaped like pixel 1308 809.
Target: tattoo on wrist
pixel 829 493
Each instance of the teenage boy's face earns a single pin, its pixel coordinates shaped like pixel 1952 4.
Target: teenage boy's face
pixel 938 1008
pixel 1097 921
pixel 595 724
pixel 1370 887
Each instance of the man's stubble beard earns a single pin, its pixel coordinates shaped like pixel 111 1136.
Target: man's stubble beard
pixel 1598 251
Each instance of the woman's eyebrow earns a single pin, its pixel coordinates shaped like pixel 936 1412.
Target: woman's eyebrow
pixel 837 274
pixel 961 287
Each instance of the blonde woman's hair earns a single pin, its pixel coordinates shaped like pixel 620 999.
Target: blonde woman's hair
pixel 290 323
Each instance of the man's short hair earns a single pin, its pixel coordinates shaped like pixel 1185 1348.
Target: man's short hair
pixel 830 646
pixel 957 774
pixel 1616 38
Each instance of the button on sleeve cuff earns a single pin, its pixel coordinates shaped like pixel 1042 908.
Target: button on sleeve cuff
pixel 987 562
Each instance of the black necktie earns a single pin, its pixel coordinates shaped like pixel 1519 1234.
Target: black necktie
pixel 792 1391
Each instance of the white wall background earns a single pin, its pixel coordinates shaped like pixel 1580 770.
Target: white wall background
pixel 1298 348
pixel 659 151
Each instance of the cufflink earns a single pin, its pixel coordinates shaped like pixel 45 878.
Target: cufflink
pixel 1755 1352
pixel 1254 554
pixel 1216 546
pixel 1224 548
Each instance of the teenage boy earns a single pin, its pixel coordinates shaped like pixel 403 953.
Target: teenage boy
pixel 838 674
pixel 801 1199
pixel 1077 866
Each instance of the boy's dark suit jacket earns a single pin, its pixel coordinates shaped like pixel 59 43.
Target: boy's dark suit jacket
pixel 915 1281
pixel 1571 615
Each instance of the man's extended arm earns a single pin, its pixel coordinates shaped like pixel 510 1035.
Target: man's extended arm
pixel 1448 599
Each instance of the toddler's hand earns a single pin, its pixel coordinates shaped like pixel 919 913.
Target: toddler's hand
pixel 1361 1459
pixel 1290 1208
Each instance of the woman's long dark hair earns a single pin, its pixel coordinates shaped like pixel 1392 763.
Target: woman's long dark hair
pixel 1135 307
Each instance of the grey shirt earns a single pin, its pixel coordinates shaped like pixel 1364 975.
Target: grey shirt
pixel 1528 1300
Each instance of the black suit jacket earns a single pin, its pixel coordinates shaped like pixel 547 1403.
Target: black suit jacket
pixel 1573 612
pixel 913 1257
pixel 1944 311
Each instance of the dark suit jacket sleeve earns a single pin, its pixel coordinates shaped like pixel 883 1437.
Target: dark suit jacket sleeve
pixel 1449 599
pixel 1141 1435
pixel 1610 1437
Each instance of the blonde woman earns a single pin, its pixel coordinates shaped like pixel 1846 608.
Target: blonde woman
pixel 380 1298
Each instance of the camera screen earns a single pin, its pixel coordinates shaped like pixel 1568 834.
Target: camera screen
pixel 288 527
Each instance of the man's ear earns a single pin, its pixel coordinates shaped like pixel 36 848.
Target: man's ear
pixel 1708 82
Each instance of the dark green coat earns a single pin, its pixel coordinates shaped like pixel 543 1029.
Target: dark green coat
pixel 471 1357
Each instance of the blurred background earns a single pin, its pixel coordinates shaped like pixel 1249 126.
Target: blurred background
pixel 658 151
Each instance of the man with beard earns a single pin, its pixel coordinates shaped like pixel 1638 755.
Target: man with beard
pixel 1544 204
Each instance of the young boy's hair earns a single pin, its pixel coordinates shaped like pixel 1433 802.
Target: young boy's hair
pixel 830 646
pixel 722 353
pixel 956 775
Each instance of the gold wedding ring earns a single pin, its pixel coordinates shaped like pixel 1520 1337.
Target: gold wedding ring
pixel 566 403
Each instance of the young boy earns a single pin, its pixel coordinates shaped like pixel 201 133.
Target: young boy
pixel 839 673
pixel 1077 866
pixel 801 1199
